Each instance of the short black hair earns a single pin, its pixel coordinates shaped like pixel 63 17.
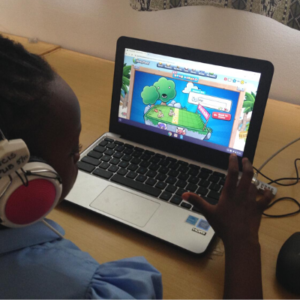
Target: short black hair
pixel 24 80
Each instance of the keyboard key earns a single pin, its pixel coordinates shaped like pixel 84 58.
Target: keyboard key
pixel 109 152
pixel 165 196
pixel 146 157
pixel 102 173
pixel 137 154
pixel 106 158
pixel 91 161
pixel 124 164
pixel 138 149
pixel 154 159
pixel 141 178
pixel 174 166
pixel 135 161
pixel 193 180
pixel 205 170
pixel 151 181
pixel 185 205
pixel 149 152
pixel 142 170
pixel 128 151
pixel 114 161
pixel 161 156
pixel 176 200
pixel 204 183
pixel 160 185
pixel 119 143
pixel 193 172
pixel 132 167
pixel 154 167
pixel 163 170
pixel 95 154
pixel 171 188
pixel 109 140
pixel 182 163
pixel 127 157
pixel 181 183
pixel 214 179
pixel 219 174
pixel 118 154
pixel 180 191
pixel 151 174
pixel 191 187
pixel 194 167
pixel 183 169
pixel 183 176
pixel 111 146
pixel 131 175
pixel 145 164
pixel 120 148
pixel 161 177
pixel 222 181
pixel 136 185
pixel 173 173
pixel 113 169
pixel 203 175
pixel 171 180
pixel 85 167
pixel 103 143
pixel 104 165
pixel 122 172
pixel 202 191
pixel 164 163
pixel 215 187
pixel 99 149
pixel 128 146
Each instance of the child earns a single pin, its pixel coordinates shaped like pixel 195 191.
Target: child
pixel 38 106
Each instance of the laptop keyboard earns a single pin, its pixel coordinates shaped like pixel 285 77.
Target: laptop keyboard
pixel 154 174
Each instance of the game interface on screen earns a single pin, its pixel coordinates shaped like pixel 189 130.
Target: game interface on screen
pixel 186 103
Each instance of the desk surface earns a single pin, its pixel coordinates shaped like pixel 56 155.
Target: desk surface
pixel 184 275
pixel 38 47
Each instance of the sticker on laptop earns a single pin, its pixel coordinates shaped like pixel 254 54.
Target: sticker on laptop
pixel 192 220
pixel 203 224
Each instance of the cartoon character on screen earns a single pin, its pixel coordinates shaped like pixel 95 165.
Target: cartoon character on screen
pixel 163 90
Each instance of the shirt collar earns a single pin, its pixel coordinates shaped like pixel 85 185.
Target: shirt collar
pixel 13 239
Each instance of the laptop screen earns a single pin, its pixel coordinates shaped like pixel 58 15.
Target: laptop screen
pixel 200 103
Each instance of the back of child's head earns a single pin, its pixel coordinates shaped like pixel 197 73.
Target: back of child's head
pixel 24 79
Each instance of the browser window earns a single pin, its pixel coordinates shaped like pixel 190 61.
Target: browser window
pixel 200 103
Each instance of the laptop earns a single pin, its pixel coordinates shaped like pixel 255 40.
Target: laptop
pixel 176 116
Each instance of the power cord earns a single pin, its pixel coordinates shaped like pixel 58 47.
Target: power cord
pixel 277 181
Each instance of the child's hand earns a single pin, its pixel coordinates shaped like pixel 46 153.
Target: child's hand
pixel 237 215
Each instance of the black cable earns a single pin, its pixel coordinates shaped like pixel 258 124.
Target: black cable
pixel 277 181
pixel 284 215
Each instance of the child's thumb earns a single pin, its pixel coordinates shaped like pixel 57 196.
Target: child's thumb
pixel 204 207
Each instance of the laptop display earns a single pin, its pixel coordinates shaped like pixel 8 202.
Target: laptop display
pixel 200 103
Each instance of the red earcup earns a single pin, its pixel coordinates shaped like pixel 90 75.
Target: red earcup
pixel 28 204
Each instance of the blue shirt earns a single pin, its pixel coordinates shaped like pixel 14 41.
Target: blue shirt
pixel 36 263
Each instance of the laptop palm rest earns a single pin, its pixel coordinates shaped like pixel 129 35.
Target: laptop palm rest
pixel 125 206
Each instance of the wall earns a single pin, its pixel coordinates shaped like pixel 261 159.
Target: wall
pixel 93 27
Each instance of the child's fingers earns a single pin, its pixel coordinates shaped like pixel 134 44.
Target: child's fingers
pixel 265 200
pixel 201 204
pixel 246 179
pixel 232 177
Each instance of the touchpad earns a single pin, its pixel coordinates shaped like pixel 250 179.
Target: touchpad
pixel 125 205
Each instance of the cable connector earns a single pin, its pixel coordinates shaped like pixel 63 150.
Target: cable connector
pixel 261 186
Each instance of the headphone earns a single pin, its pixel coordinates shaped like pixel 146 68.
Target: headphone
pixel 29 187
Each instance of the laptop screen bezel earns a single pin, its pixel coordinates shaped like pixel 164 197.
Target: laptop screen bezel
pixel 178 147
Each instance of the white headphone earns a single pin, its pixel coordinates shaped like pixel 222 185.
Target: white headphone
pixel 29 187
